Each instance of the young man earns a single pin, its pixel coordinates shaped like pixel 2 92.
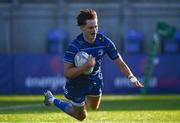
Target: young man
pixel 86 90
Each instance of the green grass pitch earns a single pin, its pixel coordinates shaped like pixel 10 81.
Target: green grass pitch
pixel 119 108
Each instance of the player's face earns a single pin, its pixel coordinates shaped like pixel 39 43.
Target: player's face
pixel 90 30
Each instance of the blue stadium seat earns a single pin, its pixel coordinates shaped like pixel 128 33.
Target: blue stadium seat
pixel 56 40
pixel 172 45
pixel 177 39
pixel 133 41
pixel 177 36
pixel 133 47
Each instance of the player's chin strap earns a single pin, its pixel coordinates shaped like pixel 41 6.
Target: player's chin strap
pixel 132 79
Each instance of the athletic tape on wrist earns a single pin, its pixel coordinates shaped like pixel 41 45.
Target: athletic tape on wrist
pixel 133 79
pixel 130 76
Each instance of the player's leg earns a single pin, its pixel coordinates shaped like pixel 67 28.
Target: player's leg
pixel 77 110
pixel 93 101
pixel 93 98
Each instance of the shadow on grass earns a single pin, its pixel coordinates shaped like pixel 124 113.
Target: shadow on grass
pixel 29 107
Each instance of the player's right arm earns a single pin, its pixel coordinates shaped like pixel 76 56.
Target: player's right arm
pixel 70 71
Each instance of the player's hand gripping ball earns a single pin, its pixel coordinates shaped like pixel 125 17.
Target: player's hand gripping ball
pixel 80 59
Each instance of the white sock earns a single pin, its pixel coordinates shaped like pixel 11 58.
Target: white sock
pixel 51 100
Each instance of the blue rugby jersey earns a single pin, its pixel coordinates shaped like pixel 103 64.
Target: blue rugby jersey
pixel 98 49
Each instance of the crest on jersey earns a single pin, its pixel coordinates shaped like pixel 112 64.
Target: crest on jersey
pixel 100 52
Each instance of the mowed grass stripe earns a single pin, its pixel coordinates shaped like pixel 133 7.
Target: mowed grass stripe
pixel 17 107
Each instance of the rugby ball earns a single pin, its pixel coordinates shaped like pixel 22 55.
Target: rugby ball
pixel 80 59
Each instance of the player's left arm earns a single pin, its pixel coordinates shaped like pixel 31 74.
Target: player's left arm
pixel 116 57
pixel 127 72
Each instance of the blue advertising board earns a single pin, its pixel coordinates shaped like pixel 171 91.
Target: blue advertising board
pixel 33 74
pixel 165 77
pixel 6 74
pixel 37 73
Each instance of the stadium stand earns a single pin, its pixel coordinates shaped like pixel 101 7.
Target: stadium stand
pixel 20 20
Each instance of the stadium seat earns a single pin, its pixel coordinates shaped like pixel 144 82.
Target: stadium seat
pixel 56 40
pixel 172 45
pixel 133 41
pixel 177 39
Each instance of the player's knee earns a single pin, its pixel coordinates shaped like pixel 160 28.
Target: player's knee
pixel 82 116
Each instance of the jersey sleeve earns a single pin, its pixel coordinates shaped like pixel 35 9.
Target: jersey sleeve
pixel 111 50
pixel 70 54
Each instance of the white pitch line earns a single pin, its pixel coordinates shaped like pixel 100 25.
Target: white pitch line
pixel 15 107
